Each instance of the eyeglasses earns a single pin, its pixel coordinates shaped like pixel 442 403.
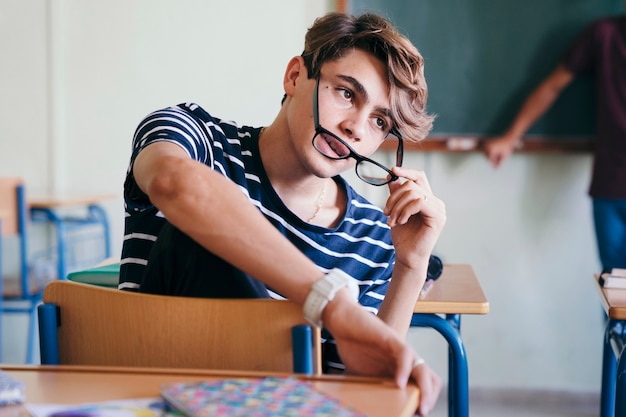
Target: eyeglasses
pixel 331 146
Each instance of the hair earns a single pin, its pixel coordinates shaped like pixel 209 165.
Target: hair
pixel 335 34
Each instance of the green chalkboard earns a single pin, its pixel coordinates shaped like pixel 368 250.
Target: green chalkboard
pixel 484 56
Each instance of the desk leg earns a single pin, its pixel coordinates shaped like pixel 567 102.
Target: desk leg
pixel 609 367
pixel 613 396
pixel 458 387
pixel 455 321
pixel 96 215
pixel 52 217
pixel 620 389
pixel 97 212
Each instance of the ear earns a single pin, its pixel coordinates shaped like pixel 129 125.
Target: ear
pixel 295 69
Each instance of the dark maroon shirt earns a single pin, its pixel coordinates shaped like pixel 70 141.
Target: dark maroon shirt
pixel 600 50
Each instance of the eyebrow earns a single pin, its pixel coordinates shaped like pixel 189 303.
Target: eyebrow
pixel 360 89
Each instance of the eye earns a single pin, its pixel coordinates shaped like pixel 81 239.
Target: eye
pixel 345 93
pixel 381 123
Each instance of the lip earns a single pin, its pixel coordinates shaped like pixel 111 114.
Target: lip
pixel 333 145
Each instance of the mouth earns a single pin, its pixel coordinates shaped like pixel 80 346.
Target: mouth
pixel 337 147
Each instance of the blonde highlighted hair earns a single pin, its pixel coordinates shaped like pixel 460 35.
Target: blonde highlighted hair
pixel 334 34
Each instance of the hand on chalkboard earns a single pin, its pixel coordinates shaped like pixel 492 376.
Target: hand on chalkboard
pixel 500 148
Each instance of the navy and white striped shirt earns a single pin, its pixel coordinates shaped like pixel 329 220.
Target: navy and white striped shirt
pixel 360 244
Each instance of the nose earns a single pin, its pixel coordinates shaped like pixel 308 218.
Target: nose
pixel 353 127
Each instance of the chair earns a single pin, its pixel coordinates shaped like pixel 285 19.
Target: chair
pixel 21 293
pixel 83 324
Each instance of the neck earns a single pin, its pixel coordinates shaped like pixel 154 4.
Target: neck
pixel 313 199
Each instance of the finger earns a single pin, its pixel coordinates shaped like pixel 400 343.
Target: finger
pixel 399 189
pixel 405 201
pixel 394 185
pixel 402 212
pixel 494 158
pixel 430 386
pixel 404 368
pixel 417 176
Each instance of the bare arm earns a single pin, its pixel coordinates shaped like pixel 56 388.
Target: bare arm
pixel 536 104
pixel 416 217
pixel 212 210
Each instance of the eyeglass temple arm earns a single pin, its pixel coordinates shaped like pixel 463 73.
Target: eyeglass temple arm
pixel 400 151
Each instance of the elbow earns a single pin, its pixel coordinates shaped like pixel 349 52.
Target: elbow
pixel 169 181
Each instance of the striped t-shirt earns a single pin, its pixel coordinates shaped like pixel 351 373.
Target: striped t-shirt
pixel 360 244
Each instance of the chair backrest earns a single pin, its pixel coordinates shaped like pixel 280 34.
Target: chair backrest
pixel 14 216
pixel 104 326
pixel 9 205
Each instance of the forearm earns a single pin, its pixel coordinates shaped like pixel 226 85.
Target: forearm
pixel 538 102
pixel 534 107
pixel 416 218
pixel 397 308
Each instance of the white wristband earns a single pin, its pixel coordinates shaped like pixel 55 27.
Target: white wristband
pixel 324 290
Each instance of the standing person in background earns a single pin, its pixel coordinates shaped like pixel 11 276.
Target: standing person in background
pixel 242 211
pixel 600 50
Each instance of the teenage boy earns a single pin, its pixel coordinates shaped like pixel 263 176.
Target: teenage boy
pixel 263 211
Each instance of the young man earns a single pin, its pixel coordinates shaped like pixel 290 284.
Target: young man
pixel 599 50
pixel 258 212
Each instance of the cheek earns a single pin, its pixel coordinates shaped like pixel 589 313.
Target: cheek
pixel 328 119
pixel 300 119
pixel 368 147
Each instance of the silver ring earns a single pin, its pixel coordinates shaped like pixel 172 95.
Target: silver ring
pixel 418 361
pixel 424 198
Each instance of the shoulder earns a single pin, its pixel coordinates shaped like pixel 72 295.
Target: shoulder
pixel 606 26
pixel 610 22
pixel 364 215
pixel 228 128
pixel 195 120
pixel 190 111
pixel 597 44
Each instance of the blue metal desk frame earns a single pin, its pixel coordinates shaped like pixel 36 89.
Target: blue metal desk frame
pixel 613 394
pixel 458 374
pixel 96 215
pixel 456 292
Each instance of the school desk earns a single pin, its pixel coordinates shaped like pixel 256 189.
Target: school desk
pixel 46 207
pixel 613 394
pixel 456 292
pixel 83 384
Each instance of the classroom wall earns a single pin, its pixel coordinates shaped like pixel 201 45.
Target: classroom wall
pixel 76 78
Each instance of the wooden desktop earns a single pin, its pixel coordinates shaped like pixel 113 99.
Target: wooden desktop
pixel 375 397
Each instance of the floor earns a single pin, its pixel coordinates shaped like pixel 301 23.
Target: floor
pixel 496 410
pixel 526 404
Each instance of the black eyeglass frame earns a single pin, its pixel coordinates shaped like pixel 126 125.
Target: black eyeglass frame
pixel 319 129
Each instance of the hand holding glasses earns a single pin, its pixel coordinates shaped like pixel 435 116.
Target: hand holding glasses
pixel 331 146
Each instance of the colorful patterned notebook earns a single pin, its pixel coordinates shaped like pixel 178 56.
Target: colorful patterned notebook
pixel 272 396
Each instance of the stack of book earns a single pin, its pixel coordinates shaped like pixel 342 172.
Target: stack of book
pixel 614 279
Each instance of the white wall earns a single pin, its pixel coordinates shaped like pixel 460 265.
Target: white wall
pixel 76 78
